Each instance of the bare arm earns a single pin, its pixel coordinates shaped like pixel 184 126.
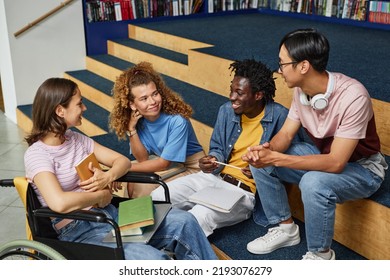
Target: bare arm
pixel 271 154
pixel 138 149
pixel 280 143
pixel 64 202
pixel 282 140
pixel 333 162
pixel 151 165
pixel 119 165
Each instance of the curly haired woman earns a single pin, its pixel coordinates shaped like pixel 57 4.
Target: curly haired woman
pixel 54 149
pixel 156 121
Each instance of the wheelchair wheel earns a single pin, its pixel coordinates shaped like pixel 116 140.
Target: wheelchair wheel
pixel 28 250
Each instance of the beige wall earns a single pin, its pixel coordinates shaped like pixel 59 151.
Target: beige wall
pixel 53 46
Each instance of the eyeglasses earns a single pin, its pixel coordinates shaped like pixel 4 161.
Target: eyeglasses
pixel 283 64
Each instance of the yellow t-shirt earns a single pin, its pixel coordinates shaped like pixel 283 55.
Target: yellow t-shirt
pixel 250 136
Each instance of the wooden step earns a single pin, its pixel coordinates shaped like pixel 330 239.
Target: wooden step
pixel 203 118
pixel 90 128
pixel 164 40
pixel 131 50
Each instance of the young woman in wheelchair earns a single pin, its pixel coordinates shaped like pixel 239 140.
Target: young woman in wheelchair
pixel 55 149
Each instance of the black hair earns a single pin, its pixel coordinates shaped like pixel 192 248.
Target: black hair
pixel 259 75
pixel 307 44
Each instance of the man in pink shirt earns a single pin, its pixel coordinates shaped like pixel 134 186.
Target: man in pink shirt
pixel 344 163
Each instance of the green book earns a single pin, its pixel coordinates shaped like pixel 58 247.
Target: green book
pixel 135 214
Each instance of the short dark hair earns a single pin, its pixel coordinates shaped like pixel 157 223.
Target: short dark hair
pixel 307 44
pixel 259 75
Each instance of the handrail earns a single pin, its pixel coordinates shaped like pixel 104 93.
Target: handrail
pixel 38 20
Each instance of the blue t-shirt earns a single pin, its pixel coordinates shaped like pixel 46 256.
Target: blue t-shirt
pixel 170 137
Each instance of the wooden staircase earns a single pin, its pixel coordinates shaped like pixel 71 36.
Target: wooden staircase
pixel 362 225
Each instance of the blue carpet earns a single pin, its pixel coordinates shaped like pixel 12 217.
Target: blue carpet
pixel 167 54
pixel 356 51
pixel 224 238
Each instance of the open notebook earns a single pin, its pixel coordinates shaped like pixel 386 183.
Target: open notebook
pixel 174 169
pixel 159 215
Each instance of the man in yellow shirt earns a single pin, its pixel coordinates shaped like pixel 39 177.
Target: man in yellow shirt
pixel 250 117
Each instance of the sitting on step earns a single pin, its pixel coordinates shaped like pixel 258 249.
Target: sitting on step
pixel 249 118
pixel 344 164
pixel 156 121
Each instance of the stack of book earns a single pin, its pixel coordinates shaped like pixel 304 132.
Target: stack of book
pixel 135 215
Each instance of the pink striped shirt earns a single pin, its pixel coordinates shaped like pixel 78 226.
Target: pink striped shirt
pixel 59 160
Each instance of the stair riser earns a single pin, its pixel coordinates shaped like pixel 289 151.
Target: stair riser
pixel 162 65
pixel 164 40
pixel 89 92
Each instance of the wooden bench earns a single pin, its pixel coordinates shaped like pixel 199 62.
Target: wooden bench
pixel 362 225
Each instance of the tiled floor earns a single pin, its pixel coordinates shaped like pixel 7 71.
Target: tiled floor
pixel 12 148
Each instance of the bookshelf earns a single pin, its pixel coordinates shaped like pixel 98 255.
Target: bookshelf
pixel 372 13
pixel 109 19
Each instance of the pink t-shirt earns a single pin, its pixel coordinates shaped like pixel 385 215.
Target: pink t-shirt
pixel 60 160
pixel 349 114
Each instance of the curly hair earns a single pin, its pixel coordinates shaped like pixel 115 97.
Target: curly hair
pixel 142 74
pixel 259 75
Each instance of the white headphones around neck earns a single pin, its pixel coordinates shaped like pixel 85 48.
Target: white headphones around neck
pixel 318 101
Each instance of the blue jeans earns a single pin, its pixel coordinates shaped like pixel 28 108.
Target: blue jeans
pixel 320 192
pixel 179 233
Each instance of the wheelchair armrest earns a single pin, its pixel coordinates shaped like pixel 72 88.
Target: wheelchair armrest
pixel 7 183
pixel 85 215
pixel 148 178
pixel 140 177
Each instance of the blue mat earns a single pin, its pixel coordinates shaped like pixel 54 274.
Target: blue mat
pixel 224 238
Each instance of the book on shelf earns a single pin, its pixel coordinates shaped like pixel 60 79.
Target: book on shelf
pixel 118 11
pixel 135 214
pixel 221 199
pixel 82 167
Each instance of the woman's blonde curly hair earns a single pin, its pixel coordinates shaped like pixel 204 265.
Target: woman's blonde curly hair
pixel 142 74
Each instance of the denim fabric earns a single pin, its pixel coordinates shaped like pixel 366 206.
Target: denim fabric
pixel 179 233
pixel 209 219
pixel 320 193
pixel 227 129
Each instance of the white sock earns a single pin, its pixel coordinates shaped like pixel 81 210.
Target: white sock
pixel 288 228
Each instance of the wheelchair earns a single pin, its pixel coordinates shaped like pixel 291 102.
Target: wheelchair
pixel 42 242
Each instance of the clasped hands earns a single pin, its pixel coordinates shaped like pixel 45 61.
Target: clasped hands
pixel 259 156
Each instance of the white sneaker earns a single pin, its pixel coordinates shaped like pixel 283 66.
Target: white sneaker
pixel 275 238
pixel 313 256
